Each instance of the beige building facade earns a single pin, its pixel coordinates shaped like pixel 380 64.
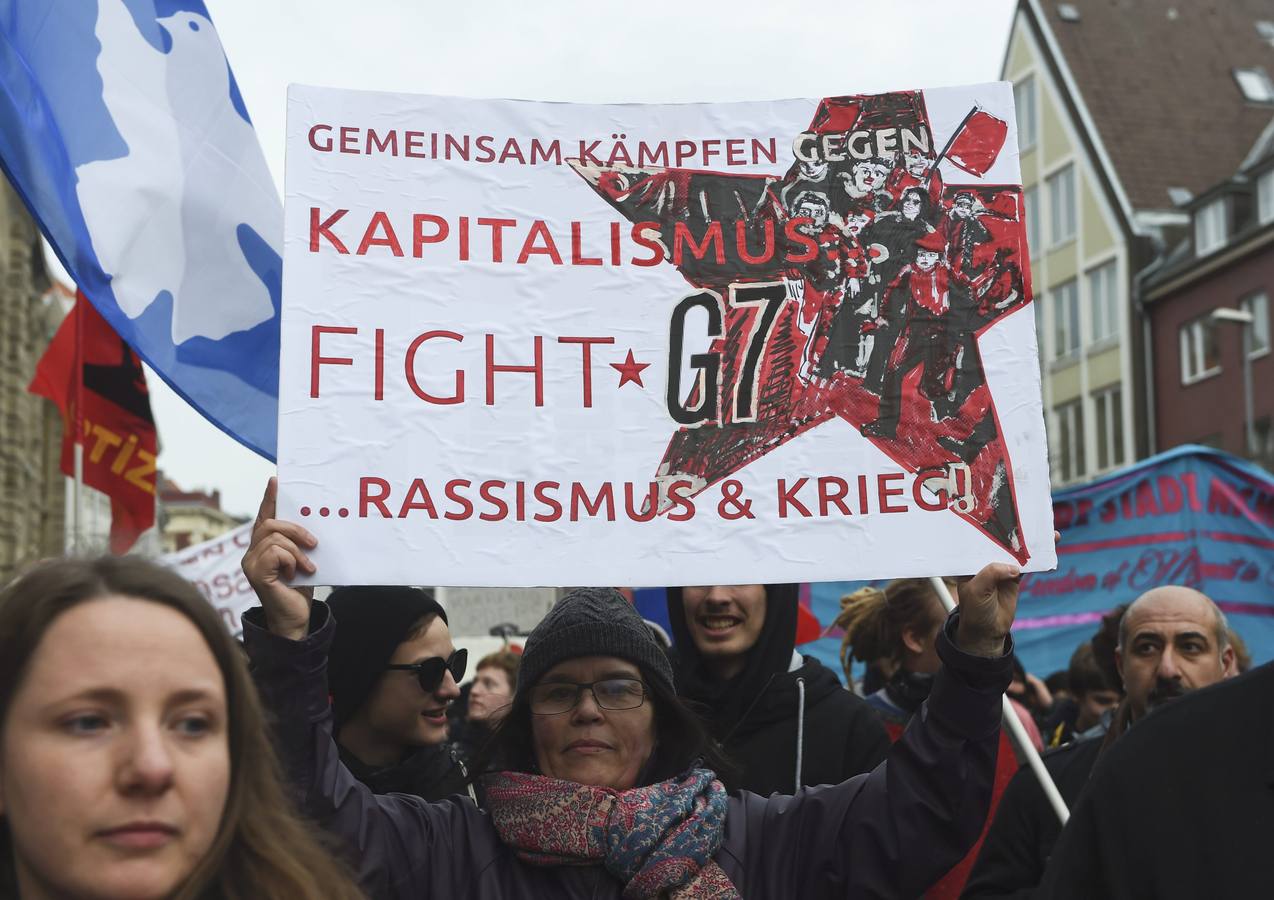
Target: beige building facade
pixel 1080 266
pixel 32 487
pixel 1126 113
pixel 187 518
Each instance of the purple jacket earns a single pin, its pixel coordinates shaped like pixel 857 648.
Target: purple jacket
pixel 890 833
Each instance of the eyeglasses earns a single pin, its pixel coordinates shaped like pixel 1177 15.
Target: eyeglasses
pixel 612 693
pixel 430 671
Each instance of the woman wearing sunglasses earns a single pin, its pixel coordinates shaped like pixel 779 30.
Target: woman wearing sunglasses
pixel 392 673
pixel 606 787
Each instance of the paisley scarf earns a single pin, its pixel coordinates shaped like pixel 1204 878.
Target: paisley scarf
pixel 658 839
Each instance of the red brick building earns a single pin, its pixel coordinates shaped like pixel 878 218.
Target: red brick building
pixel 190 517
pixel 1226 262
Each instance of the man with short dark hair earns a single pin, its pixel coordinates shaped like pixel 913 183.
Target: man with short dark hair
pixel 1092 695
pixel 1172 640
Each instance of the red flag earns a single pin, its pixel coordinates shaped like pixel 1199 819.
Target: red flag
pixel 115 423
pixel 808 628
pixel 976 145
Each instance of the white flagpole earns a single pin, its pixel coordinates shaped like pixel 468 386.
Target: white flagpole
pixel 77 422
pixel 76 516
pixel 1016 730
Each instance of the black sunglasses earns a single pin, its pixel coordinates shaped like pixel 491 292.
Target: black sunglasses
pixel 430 671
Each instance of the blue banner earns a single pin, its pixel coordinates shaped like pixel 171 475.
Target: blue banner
pixel 123 130
pixel 1192 516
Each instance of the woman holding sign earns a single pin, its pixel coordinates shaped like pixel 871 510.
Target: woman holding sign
pixel 606 793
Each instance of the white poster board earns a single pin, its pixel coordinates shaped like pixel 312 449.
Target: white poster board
pixel 214 568
pixel 545 343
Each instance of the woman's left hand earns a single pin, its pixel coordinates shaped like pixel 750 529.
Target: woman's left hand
pixel 988 602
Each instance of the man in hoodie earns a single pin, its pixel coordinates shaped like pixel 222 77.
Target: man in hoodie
pixel 782 718
pixel 392 674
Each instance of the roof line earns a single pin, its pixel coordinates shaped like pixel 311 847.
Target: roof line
pixel 1260 149
pixel 1219 259
pixel 1086 120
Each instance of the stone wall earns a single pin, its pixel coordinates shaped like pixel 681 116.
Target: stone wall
pixel 32 488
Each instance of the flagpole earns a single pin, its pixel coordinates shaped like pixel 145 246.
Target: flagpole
pixel 77 422
pixel 951 140
pixel 1021 741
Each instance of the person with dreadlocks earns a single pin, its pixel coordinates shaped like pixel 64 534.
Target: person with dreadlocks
pixel 896 628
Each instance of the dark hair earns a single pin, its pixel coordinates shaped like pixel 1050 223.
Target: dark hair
pixel 262 849
pixel 1106 640
pixel 874 619
pixel 811 197
pixel 420 626
pixel 922 198
pixel 1085 675
pixel 681 740
pixel 1058 681
pixel 1242 658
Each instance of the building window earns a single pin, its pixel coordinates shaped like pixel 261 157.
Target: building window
pixel 1065 303
pixel 1265 197
pixel 1257 336
pixel 1199 354
pixel 1041 329
pixel 1264 437
pixel 1103 291
pixel 1109 409
pixel 1255 85
pixel 1070 441
pixel 1061 206
pixel 1031 202
pixel 1024 102
pixel 1210 230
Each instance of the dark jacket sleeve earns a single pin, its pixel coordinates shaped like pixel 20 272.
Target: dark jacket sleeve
pixel 894 832
pixel 867 742
pixel 1009 864
pixel 399 845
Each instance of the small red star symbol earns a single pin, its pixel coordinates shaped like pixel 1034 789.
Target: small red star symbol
pixel 630 370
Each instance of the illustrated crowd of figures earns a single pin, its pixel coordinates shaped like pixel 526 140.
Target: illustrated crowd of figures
pixel 906 274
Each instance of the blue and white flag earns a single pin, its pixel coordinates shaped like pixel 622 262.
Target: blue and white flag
pixel 123 129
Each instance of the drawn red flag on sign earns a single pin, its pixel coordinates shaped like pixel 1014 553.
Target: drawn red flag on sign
pixel 113 414
pixel 977 143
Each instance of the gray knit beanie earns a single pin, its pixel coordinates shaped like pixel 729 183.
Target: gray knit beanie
pixel 592 622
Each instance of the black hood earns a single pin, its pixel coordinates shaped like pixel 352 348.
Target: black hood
pixel 725 703
pixel 781 700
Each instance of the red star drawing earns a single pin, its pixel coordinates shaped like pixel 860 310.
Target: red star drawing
pixel 630 370
pixel 828 308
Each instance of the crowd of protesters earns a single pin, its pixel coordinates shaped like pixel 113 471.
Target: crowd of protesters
pixel 144 755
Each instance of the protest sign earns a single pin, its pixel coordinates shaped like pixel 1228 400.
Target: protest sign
pixel 544 343
pixel 1191 516
pixel 213 567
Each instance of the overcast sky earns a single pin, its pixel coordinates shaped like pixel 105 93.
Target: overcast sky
pixel 654 51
